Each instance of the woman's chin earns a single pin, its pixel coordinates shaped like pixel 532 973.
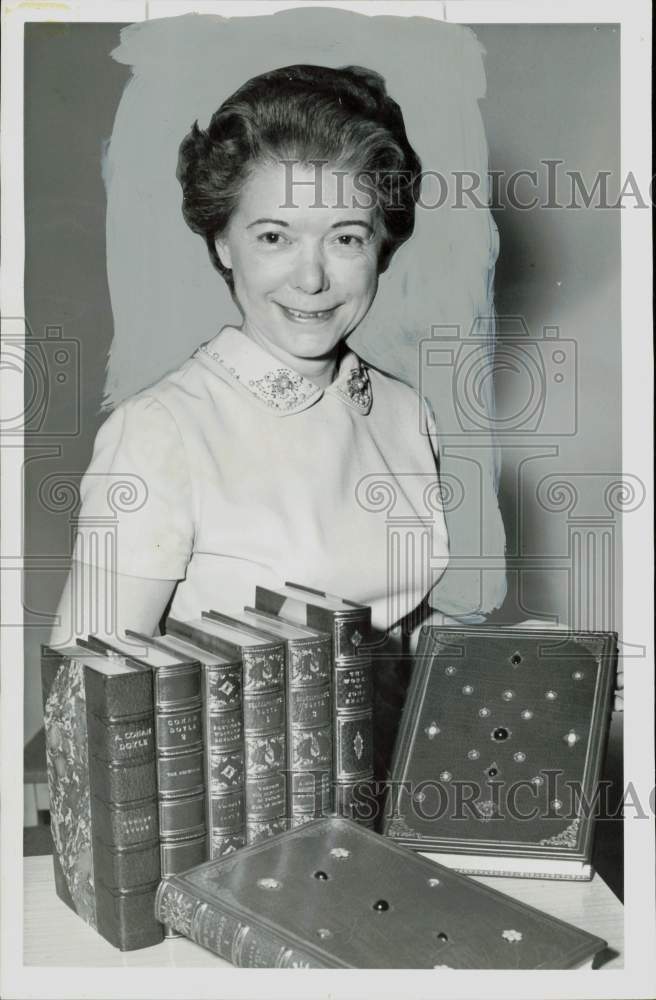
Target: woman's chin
pixel 313 344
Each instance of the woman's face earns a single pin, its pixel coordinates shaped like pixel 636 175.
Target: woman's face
pixel 304 257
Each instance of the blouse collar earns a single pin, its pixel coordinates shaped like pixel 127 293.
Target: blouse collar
pixel 282 390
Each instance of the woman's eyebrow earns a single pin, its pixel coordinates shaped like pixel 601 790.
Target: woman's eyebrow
pixel 276 222
pixel 353 222
pixel 335 225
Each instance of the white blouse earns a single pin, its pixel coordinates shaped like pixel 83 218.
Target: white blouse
pixel 234 471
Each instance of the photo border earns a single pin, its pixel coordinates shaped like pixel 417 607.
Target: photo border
pixel 638 978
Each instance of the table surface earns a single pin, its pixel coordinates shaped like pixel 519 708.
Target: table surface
pixel 55 936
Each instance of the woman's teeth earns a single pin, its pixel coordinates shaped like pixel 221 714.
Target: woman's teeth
pixel 301 314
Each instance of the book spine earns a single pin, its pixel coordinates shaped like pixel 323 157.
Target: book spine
pixel 224 934
pixel 123 802
pixel 309 729
pixel 224 757
pixel 67 765
pixel 180 767
pixel 265 753
pixel 353 707
pixel 353 759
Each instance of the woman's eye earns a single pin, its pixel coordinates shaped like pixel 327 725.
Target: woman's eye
pixel 350 240
pixel 271 238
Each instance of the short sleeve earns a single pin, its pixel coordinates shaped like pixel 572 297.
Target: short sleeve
pixel 136 512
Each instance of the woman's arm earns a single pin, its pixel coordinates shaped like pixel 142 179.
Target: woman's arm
pixel 98 602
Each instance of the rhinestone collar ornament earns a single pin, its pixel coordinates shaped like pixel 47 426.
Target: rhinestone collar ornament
pixel 357 388
pixel 283 390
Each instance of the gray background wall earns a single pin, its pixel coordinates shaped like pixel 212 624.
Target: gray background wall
pixel 552 92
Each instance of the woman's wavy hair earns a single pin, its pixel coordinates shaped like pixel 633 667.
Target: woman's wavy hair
pixel 302 113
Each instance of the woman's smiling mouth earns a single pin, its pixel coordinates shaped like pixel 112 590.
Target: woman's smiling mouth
pixel 303 316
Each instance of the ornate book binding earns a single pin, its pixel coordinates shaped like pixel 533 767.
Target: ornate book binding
pixel 99 723
pixel 282 904
pixel 498 758
pixel 263 704
pixel 224 745
pixel 349 625
pixel 308 695
pixel 178 749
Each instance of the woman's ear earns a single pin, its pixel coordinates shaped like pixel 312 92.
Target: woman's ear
pixel 223 250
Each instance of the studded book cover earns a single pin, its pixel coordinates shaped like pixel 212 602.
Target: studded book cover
pixel 499 753
pixel 332 894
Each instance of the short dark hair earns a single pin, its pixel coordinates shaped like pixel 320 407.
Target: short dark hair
pixel 304 113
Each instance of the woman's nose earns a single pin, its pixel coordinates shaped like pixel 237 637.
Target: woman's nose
pixel 310 274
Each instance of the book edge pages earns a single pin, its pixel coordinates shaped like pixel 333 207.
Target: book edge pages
pixel 506 866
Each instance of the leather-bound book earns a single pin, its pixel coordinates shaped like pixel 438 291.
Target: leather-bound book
pixel 178 748
pixel 263 701
pixel 331 894
pixel 349 625
pixel 500 749
pixel 100 753
pixel 223 731
pixel 308 696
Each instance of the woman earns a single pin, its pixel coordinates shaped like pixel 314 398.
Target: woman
pixel 252 457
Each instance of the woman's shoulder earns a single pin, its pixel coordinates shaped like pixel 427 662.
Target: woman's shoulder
pixel 187 386
pixel 401 398
pixel 393 386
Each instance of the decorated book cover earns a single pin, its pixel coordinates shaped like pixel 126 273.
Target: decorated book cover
pixel 332 894
pixel 500 749
pixel 101 766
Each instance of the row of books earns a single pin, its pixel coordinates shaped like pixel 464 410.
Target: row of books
pixel 164 752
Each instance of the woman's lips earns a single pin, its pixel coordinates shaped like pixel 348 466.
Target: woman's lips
pixel 306 316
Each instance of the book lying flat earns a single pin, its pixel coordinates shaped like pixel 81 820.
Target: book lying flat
pixel 332 894
pixel 498 757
